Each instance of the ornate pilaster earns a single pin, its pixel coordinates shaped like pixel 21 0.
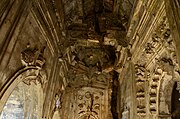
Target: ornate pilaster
pixel 153 91
pixel 140 78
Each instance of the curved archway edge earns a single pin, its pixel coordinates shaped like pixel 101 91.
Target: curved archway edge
pixel 165 94
pixel 19 76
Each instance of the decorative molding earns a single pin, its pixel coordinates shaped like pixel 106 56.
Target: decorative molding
pixel 143 23
pixel 153 90
pixel 140 90
pixel 12 23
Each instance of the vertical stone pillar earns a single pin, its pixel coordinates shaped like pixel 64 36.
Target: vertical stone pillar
pixel 140 91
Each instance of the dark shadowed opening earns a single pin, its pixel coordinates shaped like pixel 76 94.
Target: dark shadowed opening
pixel 175 103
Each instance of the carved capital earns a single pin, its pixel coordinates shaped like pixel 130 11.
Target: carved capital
pixel 33 57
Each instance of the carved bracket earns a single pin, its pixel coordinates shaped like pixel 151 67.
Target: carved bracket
pixel 33 57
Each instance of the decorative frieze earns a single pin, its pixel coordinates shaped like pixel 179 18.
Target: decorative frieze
pixel 149 48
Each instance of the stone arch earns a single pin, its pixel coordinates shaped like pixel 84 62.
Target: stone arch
pixel 28 73
pixel 165 95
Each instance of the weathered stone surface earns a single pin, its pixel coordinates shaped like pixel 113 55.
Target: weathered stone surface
pixel 90 59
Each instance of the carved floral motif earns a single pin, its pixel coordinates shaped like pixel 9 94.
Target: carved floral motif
pixel 90 103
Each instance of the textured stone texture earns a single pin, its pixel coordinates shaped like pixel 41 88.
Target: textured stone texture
pixel 97 59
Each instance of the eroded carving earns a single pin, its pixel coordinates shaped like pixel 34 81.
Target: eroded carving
pixel 90 103
pixel 33 57
pixel 140 91
pixel 153 89
pixel 149 48
pixel 178 86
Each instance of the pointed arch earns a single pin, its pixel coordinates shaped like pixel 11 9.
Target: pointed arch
pixel 166 87
pixel 27 73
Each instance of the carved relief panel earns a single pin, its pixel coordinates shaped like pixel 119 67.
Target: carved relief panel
pixel 91 103
pixel 140 91
pixel 86 103
pixel 159 58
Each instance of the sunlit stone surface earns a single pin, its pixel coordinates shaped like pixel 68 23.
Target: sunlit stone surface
pixel 14 106
pixel 17 107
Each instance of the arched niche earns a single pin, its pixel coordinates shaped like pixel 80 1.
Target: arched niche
pixel 165 93
pixel 167 84
pixel 29 75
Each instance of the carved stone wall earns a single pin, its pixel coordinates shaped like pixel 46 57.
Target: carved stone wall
pixel 72 48
pixel 127 92
pixel 86 102
pixel 29 49
pixel 154 55
pixel 160 64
